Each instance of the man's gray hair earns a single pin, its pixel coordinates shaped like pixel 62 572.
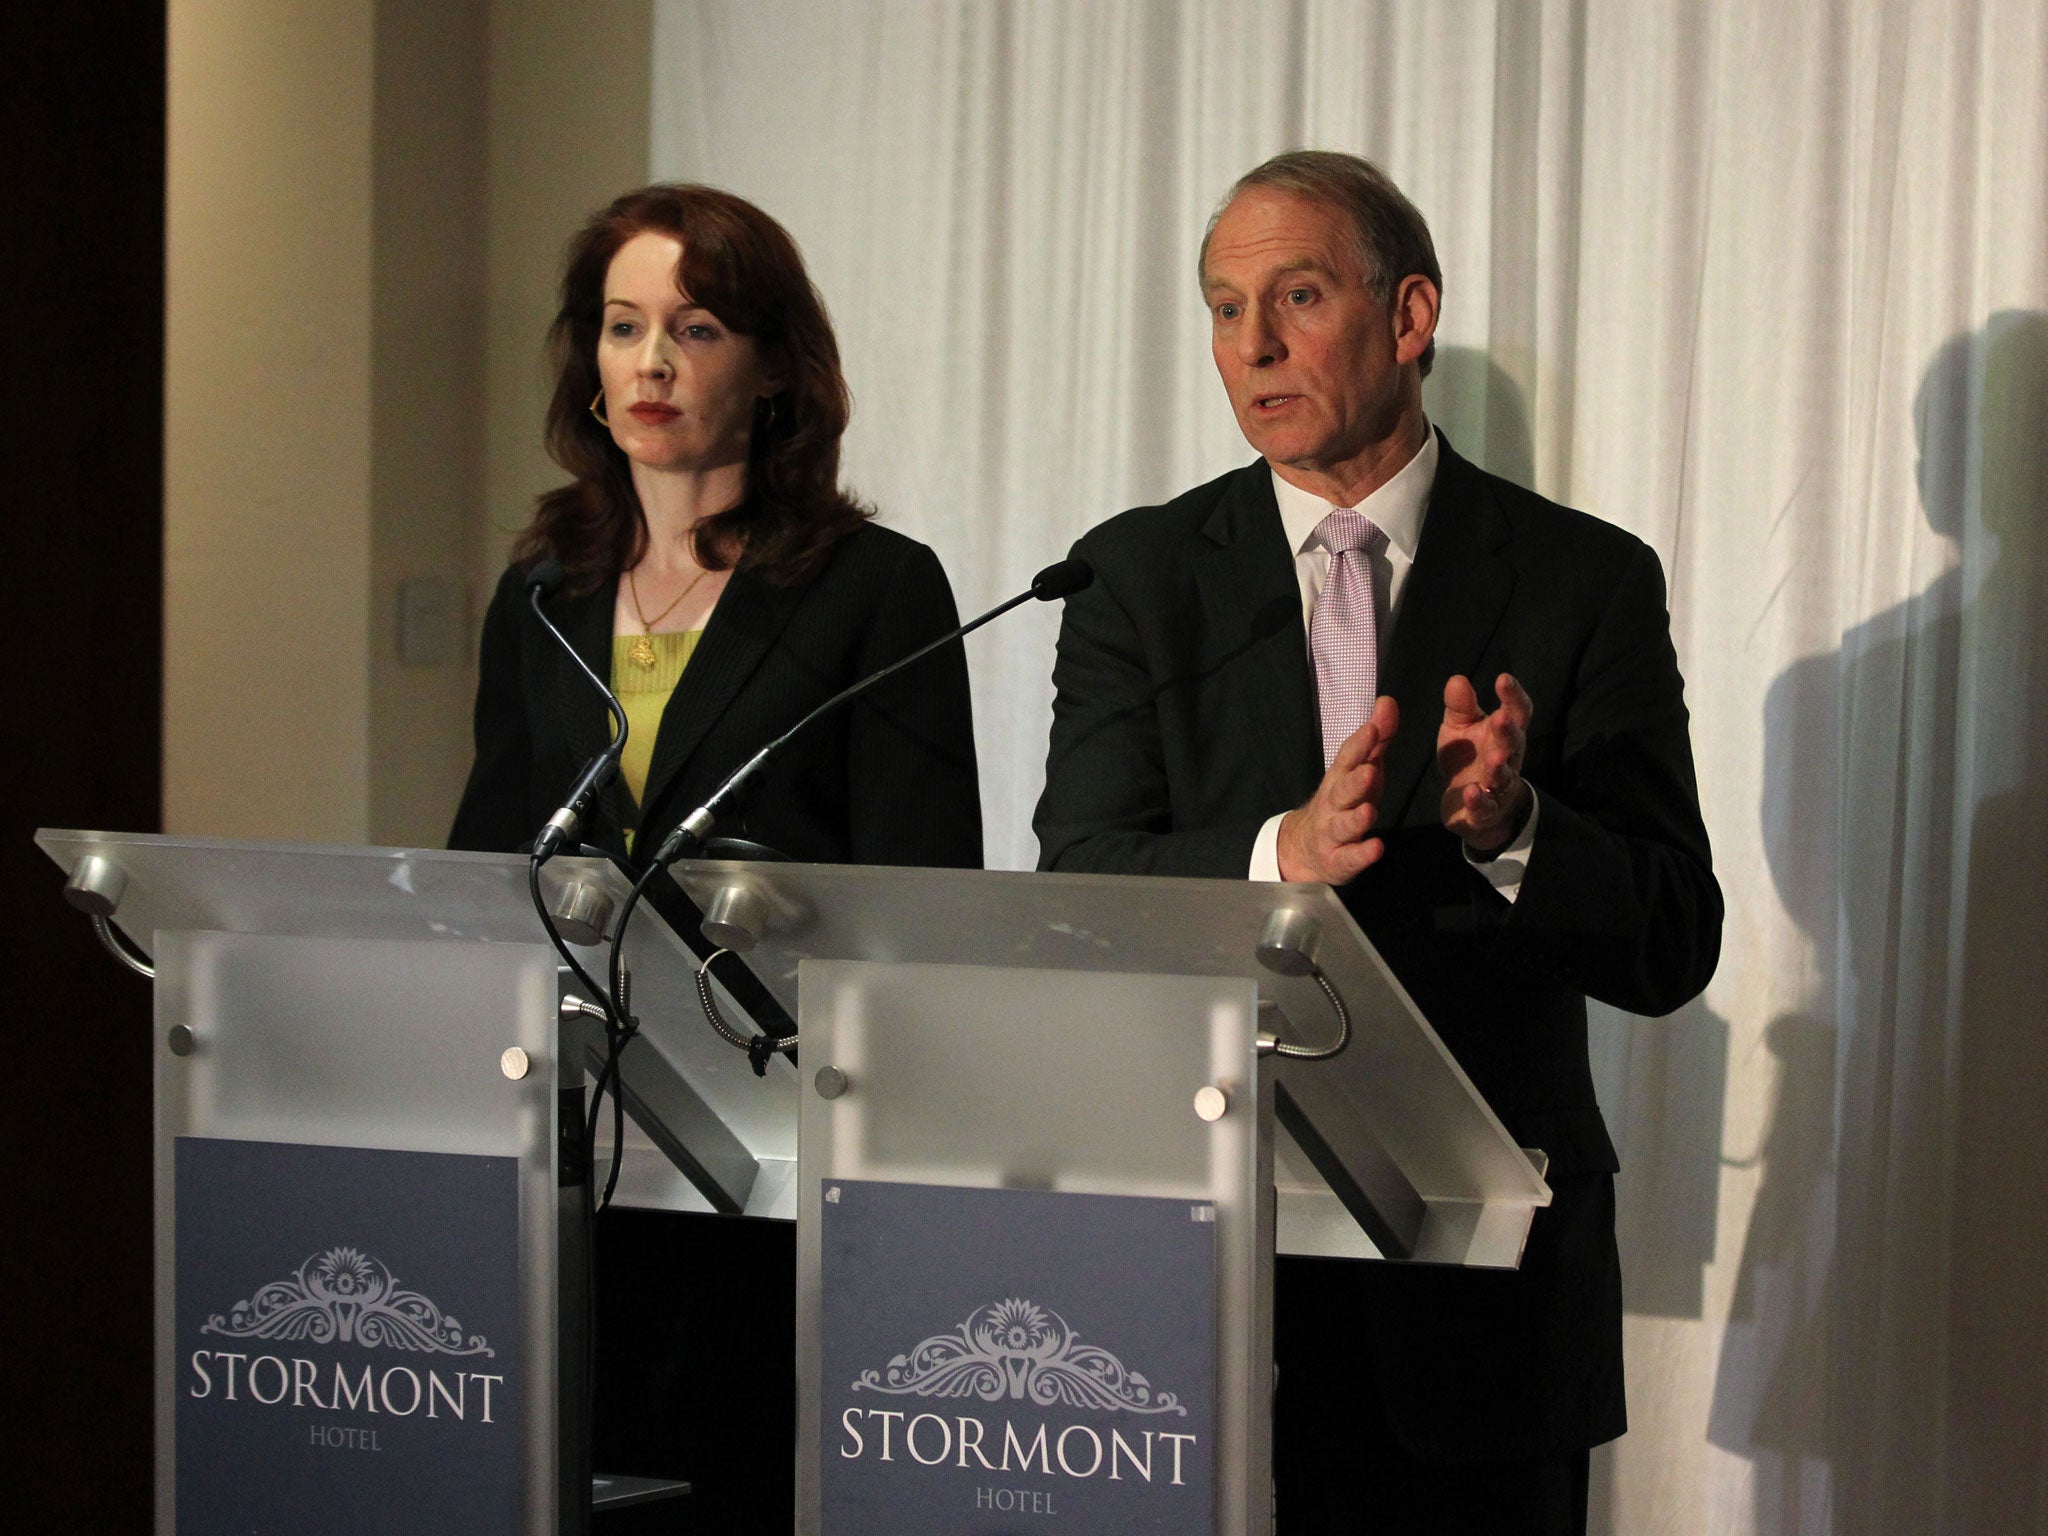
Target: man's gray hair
pixel 1391 234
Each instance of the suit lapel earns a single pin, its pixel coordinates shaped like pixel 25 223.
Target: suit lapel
pixel 586 623
pixel 749 617
pixel 1249 588
pixel 1451 605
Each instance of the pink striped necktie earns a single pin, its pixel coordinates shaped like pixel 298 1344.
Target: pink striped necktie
pixel 1344 634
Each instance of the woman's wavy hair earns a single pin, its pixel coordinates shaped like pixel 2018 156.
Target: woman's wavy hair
pixel 743 267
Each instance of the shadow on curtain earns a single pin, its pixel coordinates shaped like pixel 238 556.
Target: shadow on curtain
pixel 1885 1364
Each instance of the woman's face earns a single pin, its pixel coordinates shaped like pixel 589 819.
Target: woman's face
pixel 679 386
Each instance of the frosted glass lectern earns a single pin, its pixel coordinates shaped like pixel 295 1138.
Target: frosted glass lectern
pixel 361 1194
pixel 1039 1187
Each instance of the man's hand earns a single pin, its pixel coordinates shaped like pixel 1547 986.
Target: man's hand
pixel 1486 800
pixel 1327 839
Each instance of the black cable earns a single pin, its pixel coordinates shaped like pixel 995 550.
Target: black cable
pixel 618 1005
pixel 615 994
pixel 614 1067
pixel 615 1034
pixel 1056 581
pixel 759 1049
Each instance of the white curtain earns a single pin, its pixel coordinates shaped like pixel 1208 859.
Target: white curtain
pixel 1766 284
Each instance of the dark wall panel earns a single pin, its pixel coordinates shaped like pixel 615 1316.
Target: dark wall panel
pixel 81 551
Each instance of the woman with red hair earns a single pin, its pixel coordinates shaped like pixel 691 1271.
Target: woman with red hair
pixel 716 570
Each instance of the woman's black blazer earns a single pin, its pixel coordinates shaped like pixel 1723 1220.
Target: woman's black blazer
pixel 889 779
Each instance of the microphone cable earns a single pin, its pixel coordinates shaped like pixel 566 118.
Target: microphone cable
pixel 544 581
pixel 1060 580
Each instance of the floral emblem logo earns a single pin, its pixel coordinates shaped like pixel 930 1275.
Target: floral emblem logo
pixel 344 1296
pixel 1018 1349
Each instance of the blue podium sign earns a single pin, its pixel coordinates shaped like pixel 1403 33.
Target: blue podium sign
pixel 348 1340
pixel 999 1360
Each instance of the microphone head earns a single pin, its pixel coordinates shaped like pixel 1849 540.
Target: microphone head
pixel 546 578
pixel 1061 580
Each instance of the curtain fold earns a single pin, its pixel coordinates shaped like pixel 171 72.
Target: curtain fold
pixel 1766 285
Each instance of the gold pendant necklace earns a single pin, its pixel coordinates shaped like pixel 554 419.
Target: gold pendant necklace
pixel 641 652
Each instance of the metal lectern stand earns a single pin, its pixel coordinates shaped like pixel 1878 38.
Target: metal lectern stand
pixel 1102 1035
pixel 966 1036
pixel 363 1010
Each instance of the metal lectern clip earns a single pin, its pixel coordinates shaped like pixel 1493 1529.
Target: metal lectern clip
pixel 735 918
pixel 1287 947
pixel 582 910
pixel 95 888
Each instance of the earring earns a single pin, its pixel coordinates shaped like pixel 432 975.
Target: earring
pixel 768 417
pixel 596 408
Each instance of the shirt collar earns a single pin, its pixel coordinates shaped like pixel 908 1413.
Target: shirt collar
pixel 1396 508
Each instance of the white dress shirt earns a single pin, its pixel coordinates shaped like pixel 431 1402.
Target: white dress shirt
pixel 1397 509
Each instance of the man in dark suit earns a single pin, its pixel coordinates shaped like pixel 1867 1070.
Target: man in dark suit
pixel 1273 677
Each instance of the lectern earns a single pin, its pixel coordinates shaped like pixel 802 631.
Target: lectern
pixel 362 1255
pixel 1048 1137
pixel 1041 1135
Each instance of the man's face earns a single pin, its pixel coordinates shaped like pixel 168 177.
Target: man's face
pixel 1312 359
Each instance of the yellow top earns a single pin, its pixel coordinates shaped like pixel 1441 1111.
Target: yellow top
pixel 645 692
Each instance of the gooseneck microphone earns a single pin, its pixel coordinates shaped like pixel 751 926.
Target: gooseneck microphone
pixel 544 581
pixel 1056 581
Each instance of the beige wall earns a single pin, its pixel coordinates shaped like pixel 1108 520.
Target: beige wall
pixel 367 198
pixel 428 389
pixel 552 165
pixel 267 420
